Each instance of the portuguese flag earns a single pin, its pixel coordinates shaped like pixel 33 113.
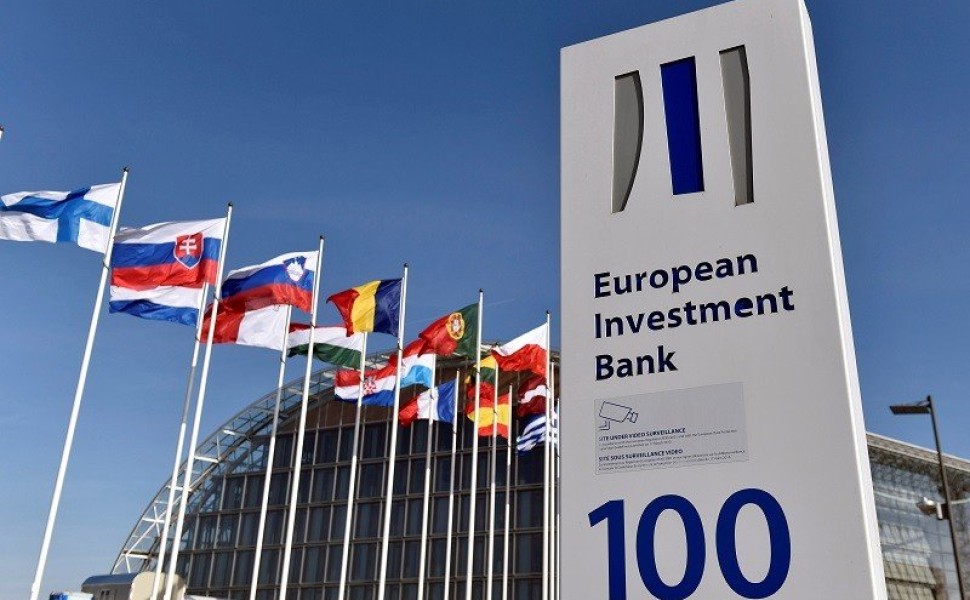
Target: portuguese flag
pixel 330 344
pixel 454 333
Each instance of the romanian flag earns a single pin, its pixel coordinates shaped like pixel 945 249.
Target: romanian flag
pixel 455 333
pixel 374 306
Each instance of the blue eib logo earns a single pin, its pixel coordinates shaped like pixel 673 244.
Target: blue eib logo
pixel 678 82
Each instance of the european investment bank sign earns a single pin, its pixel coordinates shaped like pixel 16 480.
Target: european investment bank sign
pixel 713 442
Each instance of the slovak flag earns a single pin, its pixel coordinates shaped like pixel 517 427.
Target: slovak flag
pixel 157 271
pixel 286 279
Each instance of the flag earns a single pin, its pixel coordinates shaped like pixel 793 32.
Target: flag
pixel 262 328
pixel 157 271
pixel 532 397
pixel 286 279
pixel 528 352
pixel 81 217
pixel 374 306
pixel 378 386
pixel 455 333
pixel 487 412
pixel 437 404
pixel 330 344
pixel 417 367
pixel 535 432
pixel 488 379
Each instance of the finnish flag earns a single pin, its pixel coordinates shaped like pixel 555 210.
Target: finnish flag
pixel 81 217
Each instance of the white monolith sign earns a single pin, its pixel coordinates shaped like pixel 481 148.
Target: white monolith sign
pixel 712 437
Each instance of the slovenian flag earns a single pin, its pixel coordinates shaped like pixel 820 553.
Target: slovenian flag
pixel 527 352
pixel 330 344
pixel 261 328
pixel 81 217
pixel 157 272
pixel 437 404
pixel 374 306
pixel 378 386
pixel 286 279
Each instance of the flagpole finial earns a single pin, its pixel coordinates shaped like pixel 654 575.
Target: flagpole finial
pixel 123 169
pixel 481 291
pixel 229 204
pixel 406 265
pixel 321 236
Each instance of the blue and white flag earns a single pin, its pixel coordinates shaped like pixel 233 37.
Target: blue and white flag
pixel 81 217
pixel 535 432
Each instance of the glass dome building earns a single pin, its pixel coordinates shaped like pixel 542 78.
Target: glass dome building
pixel 217 547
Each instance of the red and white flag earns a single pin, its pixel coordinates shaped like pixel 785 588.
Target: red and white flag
pixel 262 328
pixel 528 352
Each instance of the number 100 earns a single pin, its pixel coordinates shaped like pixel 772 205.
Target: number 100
pixel 726 543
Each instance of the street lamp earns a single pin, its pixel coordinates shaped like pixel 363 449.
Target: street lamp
pixel 922 408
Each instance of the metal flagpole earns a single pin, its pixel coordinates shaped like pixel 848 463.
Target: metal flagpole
pixel 78 393
pixel 422 563
pixel 545 483
pixel 451 489
pixel 508 504
pixel 385 539
pixel 352 485
pixel 179 446
pixel 492 468
pixel 551 446
pixel 470 555
pixel 197 420
pixel 270 458
pixel 301 432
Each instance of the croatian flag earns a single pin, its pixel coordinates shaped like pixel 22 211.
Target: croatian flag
pixel 378 386
pixel 286 279
pixel 81 217
pixel 158 271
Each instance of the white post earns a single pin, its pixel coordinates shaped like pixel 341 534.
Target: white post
pixel 78 394
pixel 451 490
pixel 270 458
pixel 301 432
pixel 546 580
pixel 508 504
pixel 422 562
pixel 492 468
pixel 388 499
pixel 470 563
pixel 197 420
pixel 179 446
pixel 351 489
pixel 558 547
pixel 551 446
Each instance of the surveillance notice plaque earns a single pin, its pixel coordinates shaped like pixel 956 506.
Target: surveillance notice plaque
pixel 712 437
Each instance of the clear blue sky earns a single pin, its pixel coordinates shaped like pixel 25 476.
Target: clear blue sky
pixel 419 132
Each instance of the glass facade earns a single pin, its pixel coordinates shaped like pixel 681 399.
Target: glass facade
pixel 217 547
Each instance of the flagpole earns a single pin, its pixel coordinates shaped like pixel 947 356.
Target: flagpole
pixel 551 445
pixel 78 394
pixel 492 467
pixel 508 504
pixel 179 445
pixel 301 432
pixel 470 554
pixel 270 458
pixel 422 564
pixel 197 419
pixel 545 483
pixel 451 489
pixel 351 489
pixel 385 539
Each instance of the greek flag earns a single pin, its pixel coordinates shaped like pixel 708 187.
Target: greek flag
pixel 534 433
pixel 81 217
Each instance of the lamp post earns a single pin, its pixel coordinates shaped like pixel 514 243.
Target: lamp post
pixel 926 407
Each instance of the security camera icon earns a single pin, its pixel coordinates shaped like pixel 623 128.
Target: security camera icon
pixel 615 413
